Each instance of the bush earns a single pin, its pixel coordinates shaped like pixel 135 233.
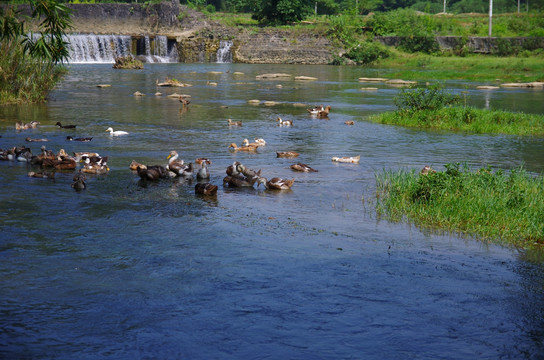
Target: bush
pixel 432 97
pixel 281 11
pixel 368 52
pixel 344 28
pixel 210 8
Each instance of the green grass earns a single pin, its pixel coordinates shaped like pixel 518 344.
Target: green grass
pixel 483 68
pixel 506 208
pixel 468 119
pixel 232 19
pixel 23 79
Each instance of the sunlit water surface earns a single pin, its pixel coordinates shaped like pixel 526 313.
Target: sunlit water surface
pixel 125 270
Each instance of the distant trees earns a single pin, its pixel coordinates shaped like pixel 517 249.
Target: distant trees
pixel 283 11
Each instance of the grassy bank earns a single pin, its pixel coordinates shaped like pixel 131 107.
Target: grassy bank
pixel 497 206
pixel 480 68
pixel 466 119
pixel 24 79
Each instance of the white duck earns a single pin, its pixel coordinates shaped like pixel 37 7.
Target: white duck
pixel 116 133
pixel 347 159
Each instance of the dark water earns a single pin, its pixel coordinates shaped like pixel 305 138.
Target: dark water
pixel 123 271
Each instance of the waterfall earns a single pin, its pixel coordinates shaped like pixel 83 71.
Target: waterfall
pixel 97 48
pixel 224 54
pixel 91 48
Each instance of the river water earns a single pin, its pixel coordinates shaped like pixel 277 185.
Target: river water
pixel 125 270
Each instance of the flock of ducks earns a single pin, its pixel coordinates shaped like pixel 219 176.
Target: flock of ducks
pixel 237 174
pixel 50 162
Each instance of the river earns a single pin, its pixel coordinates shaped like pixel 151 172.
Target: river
pixel 132 270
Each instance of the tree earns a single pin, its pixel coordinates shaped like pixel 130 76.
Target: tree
pixel 49 45
pixel 28 65
pixel 282 11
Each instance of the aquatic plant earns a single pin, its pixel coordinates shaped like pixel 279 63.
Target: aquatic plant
pixel 432 97
pixel 501 206
pixel 468 119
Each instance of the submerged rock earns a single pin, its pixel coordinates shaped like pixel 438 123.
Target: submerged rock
pixel 127 62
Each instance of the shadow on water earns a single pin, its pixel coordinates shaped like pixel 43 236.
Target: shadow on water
pixel 127 269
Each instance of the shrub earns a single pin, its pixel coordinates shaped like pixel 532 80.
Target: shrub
pixel 505 47
pixel 432 97
pixel 210 8
pixel 368 52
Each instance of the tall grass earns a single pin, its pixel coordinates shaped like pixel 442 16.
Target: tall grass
pixel 505 207
pixel 23 78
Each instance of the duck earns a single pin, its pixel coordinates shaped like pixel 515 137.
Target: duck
pixel 116 133
pixel 347 159
pixel 282 122
pixel 201 160
pixel 28 139
pixel 178 166
pixel 79 185
pixel 260 141
pixel 203 172
pixel 349 122
pixel 42 175
pixel 238 181
pixel 84 139
pixel 184 101
pixel 324 113
pixel 61 154
pixel 246 142
pixel 94 160
pixel 46 155
pixel 152 173
pixel 23 126
pixel 247 148
pixel 233 169
pixel 79 156
pixel 287 154
pixel 186 170
pixel 79 176
pixel 206 189
pixel 248 173
pixel 173 160
pixel 302 167
pixel 134 165
pixel 276 183
pixel 23 155
pixel 234 123
pixel 64 162
pixel 94 168
pixel 9 154
pixel 427 170
pixel 65 126
pixel 315 110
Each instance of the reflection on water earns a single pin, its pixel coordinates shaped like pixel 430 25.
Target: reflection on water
pixel 122 270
